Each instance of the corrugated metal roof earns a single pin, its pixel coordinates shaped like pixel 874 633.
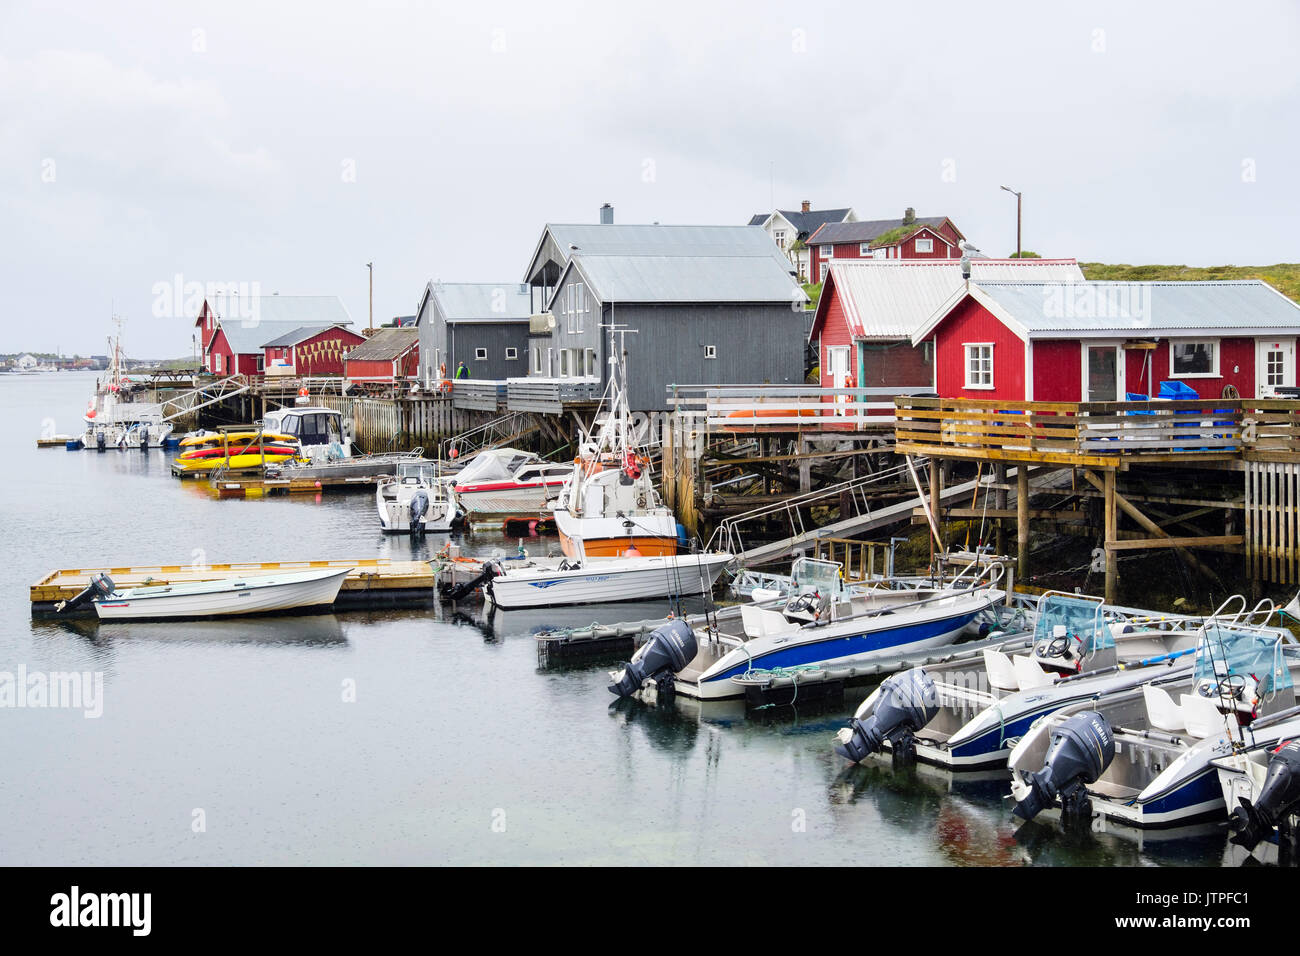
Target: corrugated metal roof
pixel 892 298
pixel 834 232
pixel 1104 309
pixel 483 301
pixel 385 345
pixel 696 278
pixel 639 240
pixel 265 317
pixel 294 336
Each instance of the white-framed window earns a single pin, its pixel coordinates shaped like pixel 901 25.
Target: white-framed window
pixel 564 363
pixel 216 361
pixel 979 364
pixel 1194 358
pixel 591 363
pixel 779 236
pixel 512 355
pixel 828 253
pixel 535 352
pixel 864 250
pixel 480 355
pixel 578 305
pixel 261 363
pixel 710 351
pixel 925 245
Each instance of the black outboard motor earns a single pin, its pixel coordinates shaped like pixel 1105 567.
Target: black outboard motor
pixel 670 648
pixel 456 592
pixel 101 586
pixel 1277 800
pixel 419 506
pixel 907 702
pixel 1082 748
pixel 101 440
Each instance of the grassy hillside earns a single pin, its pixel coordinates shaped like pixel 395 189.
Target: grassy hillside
pixel 1285 276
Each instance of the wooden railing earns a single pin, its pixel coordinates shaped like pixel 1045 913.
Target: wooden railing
pixel 786 408
pixel 1095 432
pixel 550 395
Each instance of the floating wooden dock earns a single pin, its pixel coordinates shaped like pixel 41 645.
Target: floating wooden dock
pixel 237 487
pixel 373 583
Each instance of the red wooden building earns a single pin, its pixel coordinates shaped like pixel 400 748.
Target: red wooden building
pixel 869 309
pixel 387 355
pixel 1098 341
pixel 907 238
pixel 310 350
pixel 235 344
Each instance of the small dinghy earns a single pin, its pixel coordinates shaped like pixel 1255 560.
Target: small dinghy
pixel 606 580
pixel 263 594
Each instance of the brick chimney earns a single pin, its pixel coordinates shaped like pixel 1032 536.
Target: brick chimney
pixel 806 206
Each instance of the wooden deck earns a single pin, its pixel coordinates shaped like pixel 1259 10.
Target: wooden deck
pixel 1098 434
pixel 374 582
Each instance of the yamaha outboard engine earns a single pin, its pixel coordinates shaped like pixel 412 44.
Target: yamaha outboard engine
pixel 456 592
pixel 419 505
pixel 101 586
pixel 670 648
pixel 101 440
pixel 1277 800
pixel 906 703
pixel 1082 748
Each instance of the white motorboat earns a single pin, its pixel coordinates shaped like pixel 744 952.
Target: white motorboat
pixel 815 629
pixel 507 482
pixel 322 433
pixel 110 422
pixel 1151 749
pixel 606 580
pixel 415 500
pixel 258 594
pixel 970 711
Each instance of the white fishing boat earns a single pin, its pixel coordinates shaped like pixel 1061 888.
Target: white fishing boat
pixel 609 502
pixel 111 422
pixel 415 500
pixel 507 482
pixel 814 629
pixel 258 594
pixel 606 580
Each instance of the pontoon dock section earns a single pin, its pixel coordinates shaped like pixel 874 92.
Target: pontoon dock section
pixel 373 582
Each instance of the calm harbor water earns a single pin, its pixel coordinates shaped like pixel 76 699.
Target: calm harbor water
pixel 235 743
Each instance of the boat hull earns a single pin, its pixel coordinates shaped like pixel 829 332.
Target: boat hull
pixel 507 499
pixel 223 599
pixel 635 579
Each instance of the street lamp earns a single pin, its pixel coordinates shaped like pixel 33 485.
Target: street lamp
pixel 1017 195
pixel 371 267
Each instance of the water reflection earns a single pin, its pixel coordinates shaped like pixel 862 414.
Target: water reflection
pixel 310 630
pixel 666 728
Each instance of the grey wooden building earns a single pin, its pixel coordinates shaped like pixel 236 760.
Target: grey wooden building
pixel 709 305
pixel 483 324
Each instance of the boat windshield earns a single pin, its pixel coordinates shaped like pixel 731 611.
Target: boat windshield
pixel 1081 617
pixel 1227 652
pixel 423 471
pixel 809 573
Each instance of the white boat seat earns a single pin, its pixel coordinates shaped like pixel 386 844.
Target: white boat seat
pixel 759 622
pixel 1162 712
pixel 1028 673
pixel 1002 673
pixel 1201 716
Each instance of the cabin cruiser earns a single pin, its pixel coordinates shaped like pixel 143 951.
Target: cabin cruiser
pixel 321 432
pixel 1144 756
pixel 966 714
pixel 415 500
pixel 824 626
pixel 507 482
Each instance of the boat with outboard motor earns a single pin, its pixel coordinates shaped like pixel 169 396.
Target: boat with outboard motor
pixel 823 625
pixel 415 500
pixel 223 597
pixel 323 434
pixel 1260 781
pixel 605 580
pixel 1144 756
pixel 967 713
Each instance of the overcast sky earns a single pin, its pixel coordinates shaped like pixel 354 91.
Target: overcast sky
pixel 287 145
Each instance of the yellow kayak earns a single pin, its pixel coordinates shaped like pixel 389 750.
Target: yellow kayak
pixel 233 462
pixel 215 438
